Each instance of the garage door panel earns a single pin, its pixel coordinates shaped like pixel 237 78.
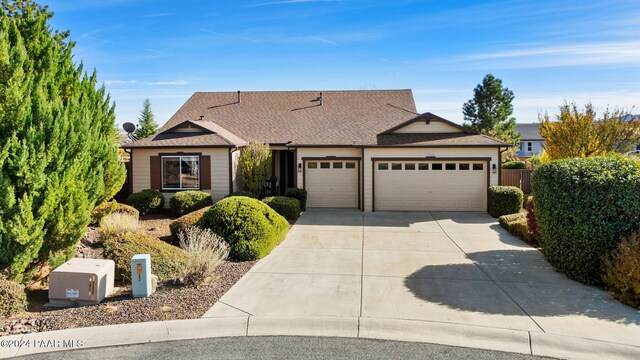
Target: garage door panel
pixel 332 187
pixel 411 189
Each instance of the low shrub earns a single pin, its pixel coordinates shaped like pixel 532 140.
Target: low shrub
pixel 300 194
pixel 516 225
pixel 504 200
pixel 584 207
pixel 13 298
pixel 514 165
pixel 167 261
pixel 182 223
pixel 184 202
pixel 622 271
pixel 117 224
pixel 204 251
pixel 243 193
pixel 250 227
pixel 126 209
pixel 532 222
pixel 285 206
pixel 146 201
pixel 102 210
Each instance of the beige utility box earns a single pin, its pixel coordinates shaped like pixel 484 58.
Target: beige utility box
pixel 81 281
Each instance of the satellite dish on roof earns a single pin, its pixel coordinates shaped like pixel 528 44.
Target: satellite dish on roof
pixel 129 127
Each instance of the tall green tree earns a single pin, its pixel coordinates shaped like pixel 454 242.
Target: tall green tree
pixel 490 111
pixel 147 125
pixel 59 145
pixel 254 166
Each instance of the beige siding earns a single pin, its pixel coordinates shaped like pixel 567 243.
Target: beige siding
pixel 421 127
pixel 423 153
pixel 219 169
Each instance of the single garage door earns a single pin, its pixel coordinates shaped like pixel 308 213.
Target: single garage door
pixel 332 183
pixel 430 185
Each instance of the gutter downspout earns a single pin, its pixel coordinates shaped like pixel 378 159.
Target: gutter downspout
pixel 231 151
pixel 500 152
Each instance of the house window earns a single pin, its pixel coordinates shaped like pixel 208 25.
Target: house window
pixel 478 167
pixel 383 166
pixel 180 172
pixel 396 166
pixel 423 166
pixel 337 165
pixel 325 165
pixel 350 165
pixel 436 166
pixel 463 167
pixel 529 146
pixel 450 166
pixel 312 165
pixel 409 166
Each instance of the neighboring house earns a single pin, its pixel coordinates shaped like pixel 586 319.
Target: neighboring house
pixel 349 149
pixel 531 142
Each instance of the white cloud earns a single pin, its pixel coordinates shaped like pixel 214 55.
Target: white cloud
pixel 169 83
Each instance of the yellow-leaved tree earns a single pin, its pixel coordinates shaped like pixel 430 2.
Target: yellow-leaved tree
pixel 579 132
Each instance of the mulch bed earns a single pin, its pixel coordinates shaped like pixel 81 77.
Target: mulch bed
pixel 169 302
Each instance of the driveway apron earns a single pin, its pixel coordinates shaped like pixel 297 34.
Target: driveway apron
pixel 442 267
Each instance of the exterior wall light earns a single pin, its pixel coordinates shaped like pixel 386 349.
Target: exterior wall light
pixel 494 167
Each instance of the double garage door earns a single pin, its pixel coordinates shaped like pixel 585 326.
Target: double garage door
pixel 430 185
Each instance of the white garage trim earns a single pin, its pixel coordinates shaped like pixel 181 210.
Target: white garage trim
pixel 486 161
pixel 331 159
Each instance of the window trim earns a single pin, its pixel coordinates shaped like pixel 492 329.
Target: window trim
pixel 180 156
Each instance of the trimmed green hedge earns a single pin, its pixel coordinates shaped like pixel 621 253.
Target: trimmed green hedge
pixel 285 206
pixel 110 207
pixel 243 193
pixel 300 194
pixel 504 200
pixel 514 165
pixel 516 225
pixel 250 227
pixel 184 202
pixel 583 208
pixel 182 223
pixel 167 261
pixel 146 201
pixel 13 298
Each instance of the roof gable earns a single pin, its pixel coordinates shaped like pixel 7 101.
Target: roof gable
pixel 427 123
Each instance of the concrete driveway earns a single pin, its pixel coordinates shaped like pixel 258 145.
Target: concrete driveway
pixel 438 268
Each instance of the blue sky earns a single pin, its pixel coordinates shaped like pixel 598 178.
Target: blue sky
pixel 544 51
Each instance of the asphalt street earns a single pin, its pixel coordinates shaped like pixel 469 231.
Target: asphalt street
pixel 284 347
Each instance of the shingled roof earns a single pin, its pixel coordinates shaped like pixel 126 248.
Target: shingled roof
pixel 297 118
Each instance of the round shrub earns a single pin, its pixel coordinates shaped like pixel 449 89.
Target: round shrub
pixel 583 208
pixel 504 200
pixel 167 261
pixel 184 202
pixel 514 165
pixel 243 193
pixel 13 299
pixel 300 194
pixel 146 201
pixel 285 206
pixel 128 210
pixel 250 227
pixel 516 225
pixel 102 210
pixel 622 271
pixel 182 223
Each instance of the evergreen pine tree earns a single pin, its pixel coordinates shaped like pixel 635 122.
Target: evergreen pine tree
pixel 59 147
pixel 147 125
pixel 490 111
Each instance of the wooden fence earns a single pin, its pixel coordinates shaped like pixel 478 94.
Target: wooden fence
pixel 517 177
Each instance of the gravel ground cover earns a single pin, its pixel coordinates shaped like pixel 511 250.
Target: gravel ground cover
pixel 169 302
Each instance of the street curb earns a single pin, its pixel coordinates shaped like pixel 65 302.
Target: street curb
pixel 516 341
